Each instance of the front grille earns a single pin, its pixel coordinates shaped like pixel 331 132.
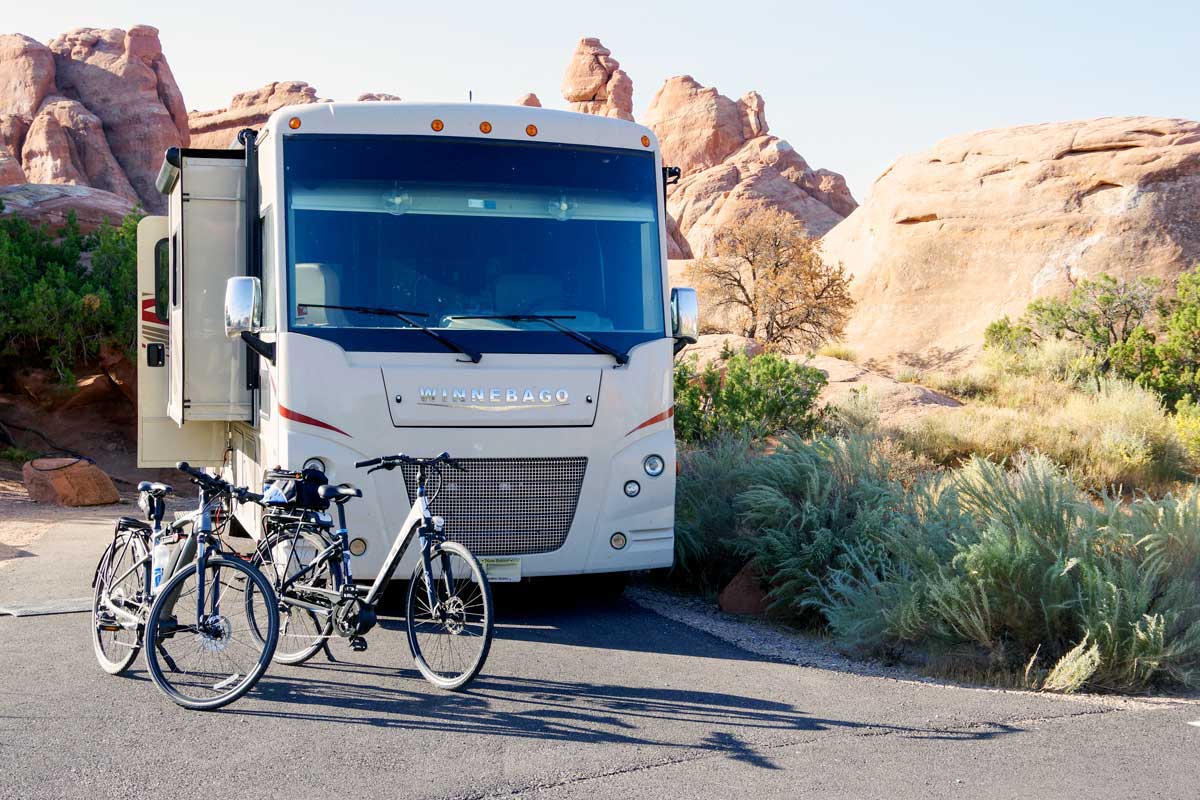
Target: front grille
pixel 505 506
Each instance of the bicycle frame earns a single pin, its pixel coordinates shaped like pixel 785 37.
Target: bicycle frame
pixel 418 521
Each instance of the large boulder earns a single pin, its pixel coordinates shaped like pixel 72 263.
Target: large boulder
pixel 219 129
pixel 68 482
pixel 66 144
pixel 26 77
pixel 981 224
pixel 380 97
pixel 595 83
pixel 529 99
pixel 123 78
pixel 731 165
pixel 50 205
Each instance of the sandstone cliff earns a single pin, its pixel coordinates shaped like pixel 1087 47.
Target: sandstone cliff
pixel 219 128
pixel 981 224
pixel 95 108
pixel 731 165
pixel 595 83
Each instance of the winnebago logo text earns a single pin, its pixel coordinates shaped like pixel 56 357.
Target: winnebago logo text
pixel 494 398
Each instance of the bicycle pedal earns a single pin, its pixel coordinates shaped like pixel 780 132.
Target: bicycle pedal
pixel 358 644
pixel 107 622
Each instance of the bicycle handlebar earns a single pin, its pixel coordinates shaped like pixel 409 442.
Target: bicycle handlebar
pixel 393 461
pixel 202 478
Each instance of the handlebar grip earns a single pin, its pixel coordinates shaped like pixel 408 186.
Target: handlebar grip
pixel 370 462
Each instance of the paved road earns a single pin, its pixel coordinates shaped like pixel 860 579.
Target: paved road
pixel 578 700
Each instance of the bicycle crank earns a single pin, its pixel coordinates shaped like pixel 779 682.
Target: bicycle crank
pixel 353 617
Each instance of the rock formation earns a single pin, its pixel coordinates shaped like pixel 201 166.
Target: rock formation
pixel 377 96
pixel 219 129
pixel 68 482
pixel 124 80
pixel 47 204
pixel 529 99
pixel 981 224
pixel 732 165
pixel 596 84
pixel 95 108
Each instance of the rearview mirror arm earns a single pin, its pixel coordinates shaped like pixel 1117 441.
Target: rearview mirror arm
pixel 255 343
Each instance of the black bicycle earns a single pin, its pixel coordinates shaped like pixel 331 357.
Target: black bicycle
pixel 448 608
pixel 193 617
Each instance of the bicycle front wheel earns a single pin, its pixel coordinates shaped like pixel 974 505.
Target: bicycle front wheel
pixel 449 639
pixel 200 643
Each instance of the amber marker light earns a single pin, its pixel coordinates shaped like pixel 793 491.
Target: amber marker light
pixel 645 141
pixel 294 123
pixel 485 127
pixel 531 129
pixel 437 125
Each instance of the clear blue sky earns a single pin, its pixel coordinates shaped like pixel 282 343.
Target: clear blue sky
pixel 850 85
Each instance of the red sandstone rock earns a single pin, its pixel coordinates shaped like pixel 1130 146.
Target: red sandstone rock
pixel 981 224
pixel 26 74
pixel 744 594
pixel 595 83
pixel 68 482
pixel 731 165
pixel 66 144
pixel 50 204
pixel 530 99
pixel 120 371
pixel 219 128
pixel 377 96
pixel 123 78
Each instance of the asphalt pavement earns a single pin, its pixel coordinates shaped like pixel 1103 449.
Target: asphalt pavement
pixel 582 697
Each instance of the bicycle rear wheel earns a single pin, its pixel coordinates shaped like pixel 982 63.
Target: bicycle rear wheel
pixel 302 630
pixel 119 584
pixel 205 658
pixel 450 641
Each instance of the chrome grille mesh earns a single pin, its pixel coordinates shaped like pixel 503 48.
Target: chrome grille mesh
pixel 506 506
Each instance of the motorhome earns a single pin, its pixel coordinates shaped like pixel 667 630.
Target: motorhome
pixel 359 279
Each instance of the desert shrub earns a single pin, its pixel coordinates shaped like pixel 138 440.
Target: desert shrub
pixel 759 395
pixel 1187 423
pixel 1167 360
pixel 1099 314
pixel 62 297
pixel 1115 435
pixel 838 350
pixel 909 375
pixel 705 521
pixel 1016 570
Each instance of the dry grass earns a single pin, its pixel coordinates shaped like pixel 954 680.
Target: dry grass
pixel 838 350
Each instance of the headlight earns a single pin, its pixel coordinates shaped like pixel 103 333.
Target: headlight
pixel 654 465
pixel 632 488
pixel 315 463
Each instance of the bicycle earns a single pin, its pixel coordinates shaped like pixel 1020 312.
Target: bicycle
pixel 448 606
pixel 202 664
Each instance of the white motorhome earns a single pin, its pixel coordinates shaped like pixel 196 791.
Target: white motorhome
pixel 485 280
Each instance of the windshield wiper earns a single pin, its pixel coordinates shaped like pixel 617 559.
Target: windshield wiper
pixel 406 316
pixel 553 321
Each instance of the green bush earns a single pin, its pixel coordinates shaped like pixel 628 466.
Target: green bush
pixel 1013 571
pixel 1187 423
pixel 1167 361
pixel 61 298
pixel 706 523
pixel 760 396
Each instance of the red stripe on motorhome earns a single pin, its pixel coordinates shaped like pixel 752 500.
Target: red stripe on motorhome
pixel 670 412
pixel 296 416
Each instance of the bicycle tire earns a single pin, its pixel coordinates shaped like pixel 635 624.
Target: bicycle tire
pixel 418 615
pixel 126 652
pixel 283 654
pixel 157 633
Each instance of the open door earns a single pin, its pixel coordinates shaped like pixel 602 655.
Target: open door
pixel 161 440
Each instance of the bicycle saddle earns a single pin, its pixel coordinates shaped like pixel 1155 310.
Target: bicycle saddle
pixel 156 489
pixel 339 492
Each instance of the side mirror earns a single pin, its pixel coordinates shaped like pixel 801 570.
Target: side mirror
pixel 685 317
pixel 243 306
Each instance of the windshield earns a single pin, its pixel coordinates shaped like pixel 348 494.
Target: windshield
pixel 460 230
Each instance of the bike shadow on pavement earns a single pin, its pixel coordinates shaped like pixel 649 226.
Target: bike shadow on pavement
pixel 585 712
